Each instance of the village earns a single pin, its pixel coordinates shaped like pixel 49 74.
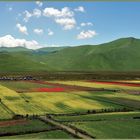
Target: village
pixel 6 78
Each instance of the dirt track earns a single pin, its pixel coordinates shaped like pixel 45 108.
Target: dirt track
pixel 66 128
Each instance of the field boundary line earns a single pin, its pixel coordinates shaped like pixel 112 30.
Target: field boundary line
pixel 115 102
pixel 7 108
pixel 104 99
pixel 90 120
pixel 71 130
pixel 27 132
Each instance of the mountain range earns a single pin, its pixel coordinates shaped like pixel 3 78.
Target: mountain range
pixel 119 55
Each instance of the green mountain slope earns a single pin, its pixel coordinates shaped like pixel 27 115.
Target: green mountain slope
pixel 18 62
pixel 119 55
pixel 14 49
pixel 50 49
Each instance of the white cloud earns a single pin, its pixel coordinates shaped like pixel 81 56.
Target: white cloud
pixel 86 24
pixel 22 29
pixel 67 23
pixel 86 34
pixel 50 32
pixel 80 9
pixel 63 17
pixel 39 3
pixel 10 41
pixel 56 13
pixel 27 16
pixel 38 31
pixel 36 13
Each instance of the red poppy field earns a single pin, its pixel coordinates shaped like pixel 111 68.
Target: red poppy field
pixel 55 89
pixel 117 83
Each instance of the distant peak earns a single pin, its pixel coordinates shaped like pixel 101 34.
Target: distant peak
pixel 130 38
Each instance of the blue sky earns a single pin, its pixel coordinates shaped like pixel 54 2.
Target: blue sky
pixel 67 23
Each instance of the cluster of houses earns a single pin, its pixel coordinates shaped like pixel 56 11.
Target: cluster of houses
pixel 6 78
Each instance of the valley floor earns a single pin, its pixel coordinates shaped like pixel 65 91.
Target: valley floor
pixel 96 109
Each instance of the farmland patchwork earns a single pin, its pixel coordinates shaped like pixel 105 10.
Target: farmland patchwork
pixel 81 105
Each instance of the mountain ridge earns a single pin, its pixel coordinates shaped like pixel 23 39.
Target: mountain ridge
pixel 119 55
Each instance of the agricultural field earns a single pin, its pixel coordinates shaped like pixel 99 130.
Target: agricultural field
pixel 22 126
pixel 57 134
pixel 3 113
pixel 105 125
pixel 96 117
pixel 114 129
pixel 57 102
pixel 30 129
pixel 130 81
pixel 124 99
pixel 65 102
pixel 22 86
pixel 105 85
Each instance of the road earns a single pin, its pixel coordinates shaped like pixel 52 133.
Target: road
pixel 67 128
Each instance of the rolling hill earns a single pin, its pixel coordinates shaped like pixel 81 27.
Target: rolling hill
pixel 119 55
pixel 50 49
pixel 14 49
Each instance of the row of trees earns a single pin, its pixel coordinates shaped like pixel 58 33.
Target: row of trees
pixel 108 110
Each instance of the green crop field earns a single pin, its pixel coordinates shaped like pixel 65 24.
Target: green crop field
pixel 94 117
pixel 57 134
pixel 111 129
pixel 3 113
pixel 122 98
pixel 23 86
pixel 106 125
pixel 31 125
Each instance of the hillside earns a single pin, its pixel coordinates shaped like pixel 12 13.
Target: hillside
pixel 119 55
pixel 18 62
pixel 50 49
pixel 14 49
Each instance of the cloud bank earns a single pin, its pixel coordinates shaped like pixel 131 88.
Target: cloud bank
pixel 86 34
pixel 10 41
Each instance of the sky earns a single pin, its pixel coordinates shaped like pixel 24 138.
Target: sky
pixel 51 24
